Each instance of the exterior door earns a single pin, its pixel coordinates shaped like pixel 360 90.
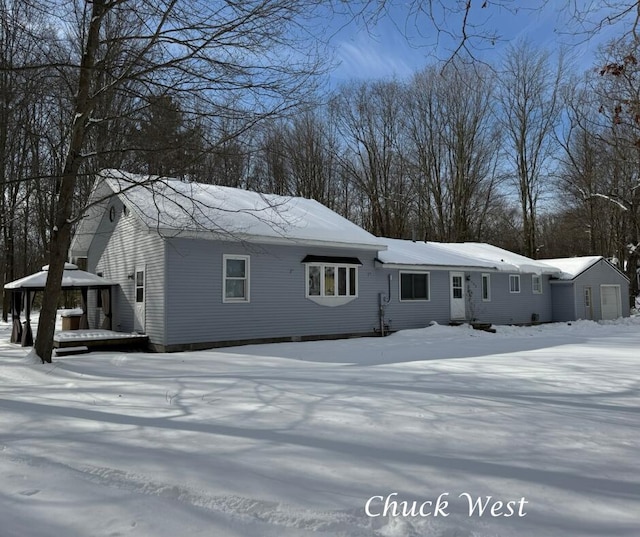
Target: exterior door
pixel 457 295
pixel 588 304
pixel 140 297
pixel 610 301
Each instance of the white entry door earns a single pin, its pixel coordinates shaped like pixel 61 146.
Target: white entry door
pixel 140 297
pixel 457 295
pixel 588 304
pixel 610 301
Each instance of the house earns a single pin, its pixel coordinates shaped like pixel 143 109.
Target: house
pixel 197 266
pixel 446 282
pixel 588 288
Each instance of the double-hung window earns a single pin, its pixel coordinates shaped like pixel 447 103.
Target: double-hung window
pixel 536 284
pixel 236 278
pixel 514 283
pixel 414 286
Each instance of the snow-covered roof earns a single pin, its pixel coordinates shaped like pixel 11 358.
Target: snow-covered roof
pixel 504 260
pixel 72 277
pixel 463 254
pixel 405 252
pixel 173 207
pixel 573 266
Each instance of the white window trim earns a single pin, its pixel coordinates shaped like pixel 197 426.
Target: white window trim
pixel 515 277
pixel 331 300
pixel 409 300
pixel 533 287
pixel 488 277
pixel 247 277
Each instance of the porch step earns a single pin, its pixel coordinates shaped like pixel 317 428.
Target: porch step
pixel 67 351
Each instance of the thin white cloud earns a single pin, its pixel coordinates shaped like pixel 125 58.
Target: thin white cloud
pixel 365 59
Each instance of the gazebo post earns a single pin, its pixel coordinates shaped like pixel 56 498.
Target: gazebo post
pixel 16 307
pixel 84 319
pixel 27 334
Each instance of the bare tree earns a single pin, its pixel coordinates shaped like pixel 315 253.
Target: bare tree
pixel 600 175
pixel 585 212
pixel 23 119
pixel 613 127
pixel 312 145
pixel 454 142
pixel 197 48
pixel 369 119
pixel 298 157
pixel 530 111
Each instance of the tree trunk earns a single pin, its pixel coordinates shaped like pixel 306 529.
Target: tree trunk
pixel 61 234
pixel 58 248
pixel 9 268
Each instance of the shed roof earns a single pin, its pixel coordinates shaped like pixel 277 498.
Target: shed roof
pixel 459 254
pixel 72 278
pixel 178 208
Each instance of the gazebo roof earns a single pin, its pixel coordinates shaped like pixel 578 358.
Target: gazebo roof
pixel 72 278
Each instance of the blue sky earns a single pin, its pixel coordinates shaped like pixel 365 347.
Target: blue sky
pixel 385 52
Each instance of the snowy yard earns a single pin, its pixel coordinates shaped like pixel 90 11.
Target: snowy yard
pixel 294 439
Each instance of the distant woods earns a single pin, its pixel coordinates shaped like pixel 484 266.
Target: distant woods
pixel 524 154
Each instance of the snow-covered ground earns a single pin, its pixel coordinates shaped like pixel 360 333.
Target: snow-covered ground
pixel 294 439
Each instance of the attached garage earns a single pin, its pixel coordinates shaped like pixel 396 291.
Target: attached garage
pixel 588 288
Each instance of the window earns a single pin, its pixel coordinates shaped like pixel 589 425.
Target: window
pixel 486 287
pixel 536 284
pixel 456 286
pixel 587 297
pixel 514 283
pixel 414 286
pixel 140 286
pixel 236 278
pixel 329 280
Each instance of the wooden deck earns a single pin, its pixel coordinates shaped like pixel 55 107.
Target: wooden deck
pixel 99 339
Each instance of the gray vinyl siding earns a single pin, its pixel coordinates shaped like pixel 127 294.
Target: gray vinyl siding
pixel 117 249
pixel 277 307
pixel 564 305
pixel 403 315
pixel 503 308
pixel 506 307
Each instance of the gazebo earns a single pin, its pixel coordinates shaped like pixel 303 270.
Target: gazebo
pixel 24 289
